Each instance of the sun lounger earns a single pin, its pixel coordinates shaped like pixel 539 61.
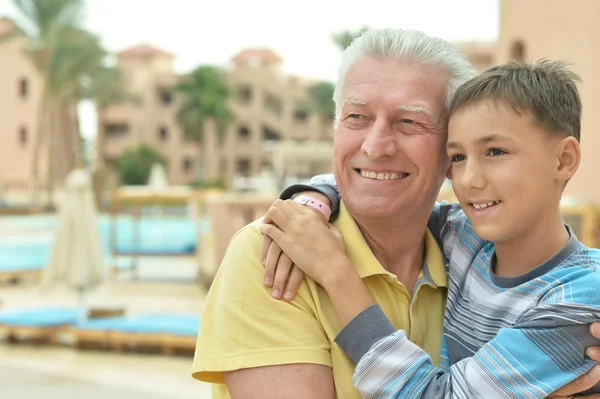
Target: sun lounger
pixel 166 331
pixel 39 323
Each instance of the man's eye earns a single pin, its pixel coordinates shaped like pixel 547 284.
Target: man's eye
pixel 355 116
pixel 409 121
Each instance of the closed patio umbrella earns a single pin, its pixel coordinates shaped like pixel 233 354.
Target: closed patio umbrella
pixel 76 256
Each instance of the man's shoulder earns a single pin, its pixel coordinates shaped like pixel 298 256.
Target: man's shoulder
pixel 242 258
pixel 249 232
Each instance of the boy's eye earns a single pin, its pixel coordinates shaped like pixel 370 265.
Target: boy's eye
pixel 495 152
pixel 457 158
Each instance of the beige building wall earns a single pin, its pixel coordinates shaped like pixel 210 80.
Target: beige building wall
pixel 268 107
pixel 562 29
pixel 481 55
pixel 19 99
pixel 151 120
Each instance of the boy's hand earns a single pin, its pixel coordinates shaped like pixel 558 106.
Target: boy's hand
pixel 587 380
pixel 310 244
pixel 278 266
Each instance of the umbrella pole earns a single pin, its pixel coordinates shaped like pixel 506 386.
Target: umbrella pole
pixel 83 311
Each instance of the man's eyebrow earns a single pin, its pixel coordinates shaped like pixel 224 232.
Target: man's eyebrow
pixel 351 101
pixel 413 108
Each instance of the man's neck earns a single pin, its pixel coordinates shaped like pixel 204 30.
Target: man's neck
pixel 398 244
pixel 532 248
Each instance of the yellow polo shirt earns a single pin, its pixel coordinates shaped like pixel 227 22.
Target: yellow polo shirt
pixel 243 326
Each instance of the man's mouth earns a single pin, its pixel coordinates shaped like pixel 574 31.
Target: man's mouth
pixel 484 205
pixel 369 174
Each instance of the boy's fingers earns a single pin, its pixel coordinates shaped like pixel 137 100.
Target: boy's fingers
pixel 579 384
pixel 293 283
pixel 265 248
pixel 284 264
pixel 271 259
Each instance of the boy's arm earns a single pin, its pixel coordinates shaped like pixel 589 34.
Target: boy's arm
pixel 445 223
pixel 533 359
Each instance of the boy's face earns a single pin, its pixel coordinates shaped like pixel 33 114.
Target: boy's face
pixel 503 170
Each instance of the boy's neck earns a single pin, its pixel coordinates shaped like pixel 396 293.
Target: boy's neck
pixel 532 248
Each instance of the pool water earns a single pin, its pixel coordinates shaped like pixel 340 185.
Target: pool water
pixel 27 240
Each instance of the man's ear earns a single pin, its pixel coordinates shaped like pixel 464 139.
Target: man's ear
pixel 568 157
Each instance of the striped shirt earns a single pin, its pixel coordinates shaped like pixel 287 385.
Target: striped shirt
pixel 517 337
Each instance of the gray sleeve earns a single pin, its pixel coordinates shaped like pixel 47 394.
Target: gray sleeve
pixel 364 331
pixel 324 184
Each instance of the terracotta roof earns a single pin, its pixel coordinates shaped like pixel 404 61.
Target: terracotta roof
pixel 263 54
pixel 144 50
pixel 6 25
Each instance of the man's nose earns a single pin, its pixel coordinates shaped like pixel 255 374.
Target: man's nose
pixel 380 141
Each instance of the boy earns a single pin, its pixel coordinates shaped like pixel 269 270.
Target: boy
pixel 522 289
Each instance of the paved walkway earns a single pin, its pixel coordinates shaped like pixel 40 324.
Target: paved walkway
pixel 61 373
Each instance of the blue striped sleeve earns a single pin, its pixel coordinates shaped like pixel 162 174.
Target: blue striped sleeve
pixel 542 352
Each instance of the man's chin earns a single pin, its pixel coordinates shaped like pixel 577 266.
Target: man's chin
pixel 371 208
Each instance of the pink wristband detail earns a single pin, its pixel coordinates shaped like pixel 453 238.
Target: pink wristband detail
pixel 314 203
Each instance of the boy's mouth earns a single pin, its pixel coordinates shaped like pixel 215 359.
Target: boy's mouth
pixel 483 205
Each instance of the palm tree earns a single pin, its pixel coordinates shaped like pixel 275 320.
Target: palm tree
pixel 321 100
pixel 203 95
pixel 344 38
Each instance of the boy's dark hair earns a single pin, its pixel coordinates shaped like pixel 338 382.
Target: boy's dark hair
pixel 545 89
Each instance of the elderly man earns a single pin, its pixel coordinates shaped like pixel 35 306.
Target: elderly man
pixel 391 98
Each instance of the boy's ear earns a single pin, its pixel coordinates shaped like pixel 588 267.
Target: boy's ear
pixel 568 158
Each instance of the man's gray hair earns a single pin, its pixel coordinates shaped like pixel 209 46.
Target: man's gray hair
pixel 405 45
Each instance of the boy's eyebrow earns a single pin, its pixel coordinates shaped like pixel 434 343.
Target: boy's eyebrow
pixel 483 140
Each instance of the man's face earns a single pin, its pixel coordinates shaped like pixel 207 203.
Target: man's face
pixel 502 170
pixel 389 146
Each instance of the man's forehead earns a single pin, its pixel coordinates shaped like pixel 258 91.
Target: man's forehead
pixel 398 83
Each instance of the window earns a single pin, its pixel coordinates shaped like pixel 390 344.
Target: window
pixel 517 52
pixel 300 115
pixel 187 165
pixel 245 94
pixel 243 167
pixel 23 135
pixel 165 97
pixel 116 129
pixel 23 88
pixel 163 133
pixel 273 104
pixel 270 136
pixel 243 133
